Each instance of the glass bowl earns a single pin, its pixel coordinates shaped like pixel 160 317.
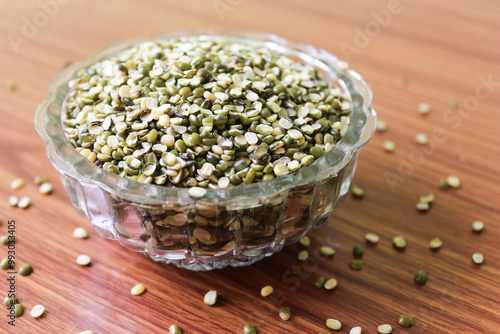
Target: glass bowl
pixel 236 226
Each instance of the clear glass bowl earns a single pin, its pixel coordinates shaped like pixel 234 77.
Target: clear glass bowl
pixel 235 226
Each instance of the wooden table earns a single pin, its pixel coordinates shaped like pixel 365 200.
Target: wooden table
pixel 445 49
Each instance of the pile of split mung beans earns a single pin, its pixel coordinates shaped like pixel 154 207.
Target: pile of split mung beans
pixel 215 113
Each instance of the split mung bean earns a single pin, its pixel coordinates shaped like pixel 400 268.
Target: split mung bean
pixel 453 181
pixel 381 126
pixel 46 188
pixel 478 258
pixel 266 291
pixel 331 284
pixel 80 233
pixel 356 330
pixel 17 183
pixel 305 241
pixel 37 311
pixel 384 329
pixel 343 65
pixel 13 200
pixel 333 324
pixel 210 297
pixel 303 255
pixel 186 112
pixel 83 260
pixel 138 289
pixel 436 243
pixel 327 251
pixel 389 146
pixel 422 206
pixel 399 242
pixel 477 226
pixel 372 238
pixel 24 202
pixel 424 108
pixel 358 191
pixel 421 139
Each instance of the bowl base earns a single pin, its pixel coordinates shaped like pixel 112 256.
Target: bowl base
pixel 197 265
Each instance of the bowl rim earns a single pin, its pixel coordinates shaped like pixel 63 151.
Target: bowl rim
pixel 70 163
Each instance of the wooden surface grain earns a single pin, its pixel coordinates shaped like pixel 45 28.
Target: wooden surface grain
pixel 446 49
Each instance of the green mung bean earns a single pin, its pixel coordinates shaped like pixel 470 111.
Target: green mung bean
pixel 18 310
pixel 11 85
pixel 25 270
pixel 5 239
pixel 405 321
pixel 249 329
pixel 175 329
pixel 356 264
pixel 327 251
pixel 320 282
pixel 421 277
pixel 41 179
pixel 6 264
pixel 10 301
pixel 358 251
pixel 285 313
